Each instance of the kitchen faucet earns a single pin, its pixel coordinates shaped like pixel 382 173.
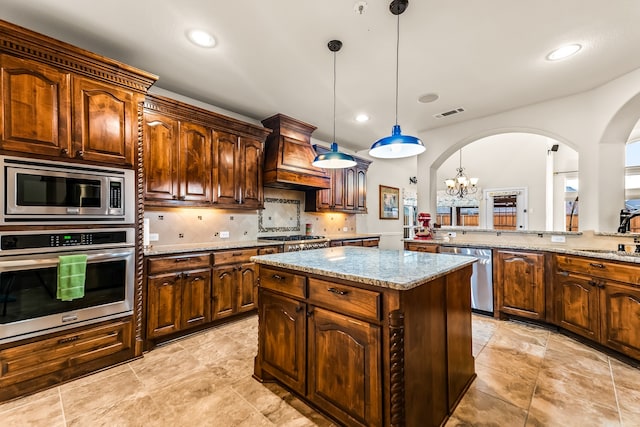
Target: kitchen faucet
pixel 625 219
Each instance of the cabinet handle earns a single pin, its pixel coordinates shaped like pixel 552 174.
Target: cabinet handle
pixel 237 254
pixel 68 339
pixel 596 265
pixel 64 152
pixel 600 285
pixel 184 275
pixel 593 283
pixel 182 197
pixel 174 197
pixel 563 273
pixel 80 154
pixel 181 259
pixel 338 291
pixel 277 277
pixel 299 308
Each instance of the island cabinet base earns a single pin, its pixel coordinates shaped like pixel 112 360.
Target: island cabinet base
pixel 367 355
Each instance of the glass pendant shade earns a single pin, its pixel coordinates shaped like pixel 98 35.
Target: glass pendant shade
pixel 396 146
pixel 334 159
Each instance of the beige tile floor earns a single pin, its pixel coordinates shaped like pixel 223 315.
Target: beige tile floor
pixel 527 376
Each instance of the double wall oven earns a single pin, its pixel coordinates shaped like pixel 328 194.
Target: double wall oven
pixel 53 209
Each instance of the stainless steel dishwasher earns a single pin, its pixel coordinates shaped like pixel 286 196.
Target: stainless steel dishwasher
pixel 481 278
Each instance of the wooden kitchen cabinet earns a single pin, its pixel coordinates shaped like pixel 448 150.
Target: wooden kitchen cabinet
pixel 592 299
pixel 104 122
pixel 178 294
pixel 371 242
pixel 237 170
pixel 235 282
pixel 177 161
pixel 347 192
pixel 421 247
pixel 50 112
pixel 195 157
pixel 520 283
pixel 36 108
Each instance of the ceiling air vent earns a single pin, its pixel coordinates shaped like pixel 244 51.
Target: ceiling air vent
pixel 449 113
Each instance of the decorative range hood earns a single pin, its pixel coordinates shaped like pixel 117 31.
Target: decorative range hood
pixel 288 155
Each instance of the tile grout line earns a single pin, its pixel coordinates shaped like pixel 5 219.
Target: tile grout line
pixel 535 386
pixel 64 417
pixel 615 391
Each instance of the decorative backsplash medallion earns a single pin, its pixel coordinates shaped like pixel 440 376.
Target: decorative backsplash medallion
pixel 279 215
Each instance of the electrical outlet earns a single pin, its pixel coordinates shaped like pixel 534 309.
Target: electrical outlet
pixel 345 228
pixel 224 234
pixel 451 234
pixel 558 239
pixel 154 237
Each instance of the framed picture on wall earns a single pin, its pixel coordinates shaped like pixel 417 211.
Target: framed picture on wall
pixel 389 202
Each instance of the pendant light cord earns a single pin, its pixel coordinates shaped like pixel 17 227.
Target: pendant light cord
pixel 334 97
pixel 397 61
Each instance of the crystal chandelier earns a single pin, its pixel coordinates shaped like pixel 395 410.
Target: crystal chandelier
pixel 461 185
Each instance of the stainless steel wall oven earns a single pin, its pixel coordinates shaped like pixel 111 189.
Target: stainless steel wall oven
pixel 28 279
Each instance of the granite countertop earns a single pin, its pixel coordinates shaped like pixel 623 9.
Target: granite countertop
pixel 611 255
pixel 395 269
pixel 209 246
pixel 349 236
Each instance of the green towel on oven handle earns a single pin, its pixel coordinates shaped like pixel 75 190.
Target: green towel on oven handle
pixel 71 277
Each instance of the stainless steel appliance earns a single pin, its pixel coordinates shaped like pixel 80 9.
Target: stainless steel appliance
pixel 28 279
pixel 39 191
pixel 300 242
pixel 481 278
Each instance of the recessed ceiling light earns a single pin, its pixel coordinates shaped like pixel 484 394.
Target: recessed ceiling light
pixel 201 38
pixel 362 118
pixel 563 52
pixel 428 97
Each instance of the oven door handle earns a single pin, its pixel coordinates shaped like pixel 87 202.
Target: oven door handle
pixel 52 261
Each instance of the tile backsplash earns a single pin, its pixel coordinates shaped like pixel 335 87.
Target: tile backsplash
pixel 201 225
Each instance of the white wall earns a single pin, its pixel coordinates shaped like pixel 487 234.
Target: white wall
pixel 584 122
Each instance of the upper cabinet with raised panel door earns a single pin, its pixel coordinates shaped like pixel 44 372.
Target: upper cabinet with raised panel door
pixel 195 157
pixel 347 192
pixel 64 102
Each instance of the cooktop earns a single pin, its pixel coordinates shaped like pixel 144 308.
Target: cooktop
pixel 291 238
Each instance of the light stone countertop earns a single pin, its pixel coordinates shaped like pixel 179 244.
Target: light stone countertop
pixel 387 268
pixel 209 246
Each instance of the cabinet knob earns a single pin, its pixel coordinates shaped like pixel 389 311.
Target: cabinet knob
pixel 174 197
pixel 80 154
pixel 182 197
pixel 64 152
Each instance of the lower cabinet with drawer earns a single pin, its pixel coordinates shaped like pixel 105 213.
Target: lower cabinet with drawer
pixel 364 355
pixel 599 300
pixel 235 282
pixel 178 293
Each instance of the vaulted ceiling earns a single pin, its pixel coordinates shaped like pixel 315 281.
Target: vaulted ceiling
pixel 272 56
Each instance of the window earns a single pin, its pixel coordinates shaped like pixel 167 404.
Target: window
pixel 632 182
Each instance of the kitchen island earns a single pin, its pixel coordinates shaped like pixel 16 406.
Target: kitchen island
pixel 369 337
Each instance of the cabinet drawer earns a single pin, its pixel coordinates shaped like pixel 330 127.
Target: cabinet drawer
pixel 269 250
pixel 283 282
pixel 599 268
pixel 373 243
pixel 54 354
pixel 422 247
pixel 345 299
pixel 234 256
pixel 174 263
pixel 352 243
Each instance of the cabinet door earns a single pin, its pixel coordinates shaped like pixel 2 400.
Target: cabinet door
pixel 343 371
pixel 521 281
pixel 251 191
pixel 225 169
pixel 350 189
pixel 195 163
pixel 361 190
pixel 577 304
pixel 163 304
pixel 160 157
pixel 337 185
pixel 224 291
pixel 36 108
pixel 324 199
pixel 283 353
pixel 104 119
pixel 247 286
pixel 196 298
pixel 620 308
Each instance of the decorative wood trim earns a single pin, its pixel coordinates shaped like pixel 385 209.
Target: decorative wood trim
pixel 396 359
pixel 182 111
pixel 139 279
pixel 24 43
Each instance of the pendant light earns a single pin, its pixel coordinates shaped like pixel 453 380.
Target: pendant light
pixel 397 145
pixel 334 159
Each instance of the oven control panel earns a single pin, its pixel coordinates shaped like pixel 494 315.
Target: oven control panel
pixel 10 242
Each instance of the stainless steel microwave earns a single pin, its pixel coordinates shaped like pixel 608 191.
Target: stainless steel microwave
pixel 47 192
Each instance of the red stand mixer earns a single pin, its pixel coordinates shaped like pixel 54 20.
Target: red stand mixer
pixel 425 231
